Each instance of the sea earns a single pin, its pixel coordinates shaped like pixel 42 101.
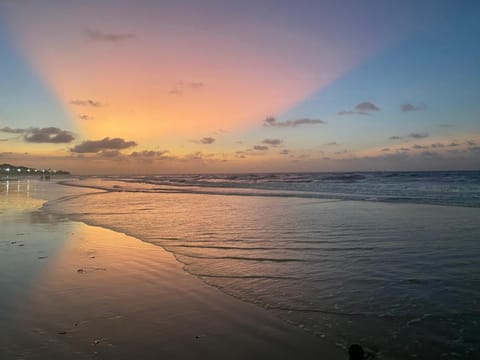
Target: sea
pixel 389 260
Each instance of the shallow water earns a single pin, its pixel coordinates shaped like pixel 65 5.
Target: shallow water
pixel 69 290
pixel 401 278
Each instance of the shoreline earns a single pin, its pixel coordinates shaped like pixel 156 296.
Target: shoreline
pixel 173 312
pixel 177 223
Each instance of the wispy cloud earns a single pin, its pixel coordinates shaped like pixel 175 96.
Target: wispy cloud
pixel 85 117
pixel 284 152
pixel 272 122
pixel 207 140
pixel 417 147
pixel 95 146
pixel 351 112
pixel 260 147
pixel 110 37
pixel 183 86
pixel 194 156
pixel 10 130
pixel 395 137
pixel 332 143
pixel 175 91
pixel 411 107
pixel 272 142
pixel 109 154
pixel 86 102
pixel 418 135
pixel 196 85
pixel 148 154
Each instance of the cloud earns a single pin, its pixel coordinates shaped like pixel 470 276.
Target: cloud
pixel 350 112
pixel 410 107
pixel 9 130
pixel 418 135
pixel 148 154
pixel 272 142
pixel 362 108
pixel 100 36
pixel 219 131
pixel 386 149
pixel 284 152
pixel 437 145
pixel 454 144
pixel 471 142
pixel 48 135
pixel 175 92
pixel 419 147
pixel 395 137
pixel 194 156
pixel 85 117
pixel 430 154
pixel 207 140
pixel 52 135
pixel 183 86
pixel 196 85
pixel 260 147
pixel 272 122
pixel 366 106
pixel 109 153
pixel 333 143
pixel 95 146
pixel 86 102
pixel 303 156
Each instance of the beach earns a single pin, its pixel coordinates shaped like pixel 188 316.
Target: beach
pixel 71 290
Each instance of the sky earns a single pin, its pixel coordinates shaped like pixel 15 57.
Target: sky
pixel 195 86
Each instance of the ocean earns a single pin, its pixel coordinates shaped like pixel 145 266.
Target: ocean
pixel 390 260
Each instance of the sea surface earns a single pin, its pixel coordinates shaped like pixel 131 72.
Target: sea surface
pixel 390 260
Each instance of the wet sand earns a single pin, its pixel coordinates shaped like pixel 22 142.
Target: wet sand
pixel 74 291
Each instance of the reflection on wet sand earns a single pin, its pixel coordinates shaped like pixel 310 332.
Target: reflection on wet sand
pixel 86 292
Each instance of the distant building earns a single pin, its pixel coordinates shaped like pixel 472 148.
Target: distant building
pixel 8 169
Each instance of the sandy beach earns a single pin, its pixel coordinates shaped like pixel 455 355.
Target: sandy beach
pixel 70 290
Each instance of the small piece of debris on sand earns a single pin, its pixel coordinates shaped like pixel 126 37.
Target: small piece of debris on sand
pixel 85 270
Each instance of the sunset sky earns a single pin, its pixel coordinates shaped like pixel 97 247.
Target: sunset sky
pixel 145 86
